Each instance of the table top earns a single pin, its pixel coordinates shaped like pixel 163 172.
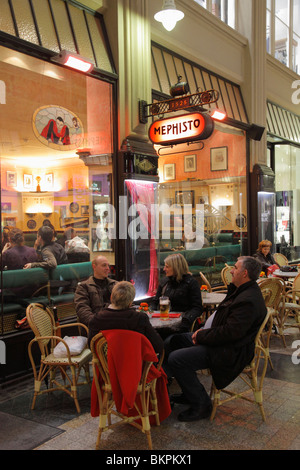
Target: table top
pixel 283 274
pixel 156 322
pixel 213 298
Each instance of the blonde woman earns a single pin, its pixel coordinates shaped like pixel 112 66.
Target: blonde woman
pixel 183 291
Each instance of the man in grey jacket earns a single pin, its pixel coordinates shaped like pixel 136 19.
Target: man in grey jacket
pixel 94 293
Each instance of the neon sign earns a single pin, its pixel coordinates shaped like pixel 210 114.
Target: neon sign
pixel 180 129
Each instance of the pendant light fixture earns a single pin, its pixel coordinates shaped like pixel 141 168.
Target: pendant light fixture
pixel 169 15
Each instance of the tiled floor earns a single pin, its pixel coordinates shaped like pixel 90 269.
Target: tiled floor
pixel 55 425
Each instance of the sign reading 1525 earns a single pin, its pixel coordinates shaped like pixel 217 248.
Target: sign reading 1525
pixel 179 103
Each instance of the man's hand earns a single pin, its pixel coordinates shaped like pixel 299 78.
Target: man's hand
pixel 27 266
pixel 194 336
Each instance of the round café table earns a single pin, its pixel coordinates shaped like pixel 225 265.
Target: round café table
pixel 285 276
pixel 210 300
pixel 157 323
pixel 213 298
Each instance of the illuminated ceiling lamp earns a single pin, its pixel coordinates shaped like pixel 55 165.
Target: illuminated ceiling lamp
pixel 74 61
pixel 169 15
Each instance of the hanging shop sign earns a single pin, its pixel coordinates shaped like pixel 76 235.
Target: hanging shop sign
pixel 181 129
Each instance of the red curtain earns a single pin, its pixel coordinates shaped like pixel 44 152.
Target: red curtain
pixel 142 192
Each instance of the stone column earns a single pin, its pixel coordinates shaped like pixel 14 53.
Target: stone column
pixel 134 47
pixel 258 89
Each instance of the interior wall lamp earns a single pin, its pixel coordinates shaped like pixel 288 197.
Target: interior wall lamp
pixel 74 61
pixel 169 15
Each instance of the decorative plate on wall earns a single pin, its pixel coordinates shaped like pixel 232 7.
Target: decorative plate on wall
pixel 31 224
pixel 74 207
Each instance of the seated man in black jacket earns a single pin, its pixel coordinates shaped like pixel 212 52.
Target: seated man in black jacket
pixel 121 315
pixel 225 347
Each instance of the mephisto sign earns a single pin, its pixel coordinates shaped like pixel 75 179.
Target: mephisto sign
pixel 180 129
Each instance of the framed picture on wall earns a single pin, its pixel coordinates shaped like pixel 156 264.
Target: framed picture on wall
pixel 219 159
pixel 169 171
pixel 6 207
pixel 190 163
pixel 185 197
pixel 27 181
pixel 10 221
pixel 85 210
pixel 11 179
pixel 49 181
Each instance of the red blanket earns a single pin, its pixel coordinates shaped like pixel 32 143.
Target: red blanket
pixel 126 352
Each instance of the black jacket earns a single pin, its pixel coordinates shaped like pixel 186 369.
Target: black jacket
pixel 185 296
pixel 129 319
pixel 230 340
pixel 266 261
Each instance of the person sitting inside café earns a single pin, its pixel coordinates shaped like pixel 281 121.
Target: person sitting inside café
pixel 51 253
pixel 15 254
pixel 183 291
pixel 94 293
pixel 264 255
pixel 121 315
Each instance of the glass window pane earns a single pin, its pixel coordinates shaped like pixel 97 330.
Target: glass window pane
pixel 100 49
pixel 46 26
pixel 203 3
pixel 296 53
pixel 282 11
pixel 81 33
pixel 202 206
pixel 6 23
pixel 287 168
pixel 281 42
pixel 53 114
pixel 230 9
pixel 24 19
pixel 162 71
pixel 63 26
pixel 216 8
pixel 296 16
pixel 268 34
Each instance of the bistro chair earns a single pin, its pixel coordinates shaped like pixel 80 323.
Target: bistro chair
pixel 273 290
pixel 280 259
pixel 226 275
pixel 292 304
pixel 47 336
pixel 253 376
pixel 204 281
pixel 108 386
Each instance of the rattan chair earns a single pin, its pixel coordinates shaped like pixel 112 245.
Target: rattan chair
pixel 253 376
pixel 292 304
pixel 275 305
pixel 145 392
pixel 42 323
pixel 226 275
pixel 280 259
pixel 204 281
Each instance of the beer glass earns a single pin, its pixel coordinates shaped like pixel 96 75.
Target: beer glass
pixel 164 307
